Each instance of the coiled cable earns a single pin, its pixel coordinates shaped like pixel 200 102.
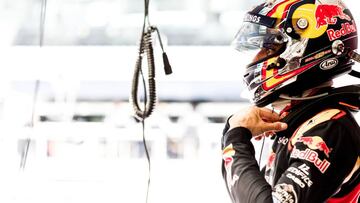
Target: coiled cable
pixel 147 48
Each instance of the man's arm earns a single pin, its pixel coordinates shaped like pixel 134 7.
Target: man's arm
pixel 313 175
pixel 241 173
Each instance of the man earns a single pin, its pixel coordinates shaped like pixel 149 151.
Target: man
pixel 302 46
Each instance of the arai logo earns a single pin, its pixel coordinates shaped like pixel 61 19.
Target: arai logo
pixel 329 64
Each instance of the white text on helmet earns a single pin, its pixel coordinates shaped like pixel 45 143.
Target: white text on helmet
pixel 252 18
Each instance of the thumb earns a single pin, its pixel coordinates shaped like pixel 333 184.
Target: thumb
pixel 276 126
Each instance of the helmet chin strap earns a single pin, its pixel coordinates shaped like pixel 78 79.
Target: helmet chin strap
pixel 356 57
pixel 285 102
pixel 283 96
pixel 309 94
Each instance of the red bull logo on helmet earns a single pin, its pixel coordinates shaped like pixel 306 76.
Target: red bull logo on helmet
pixel 315 143
pixel 326 14
pixel 346 29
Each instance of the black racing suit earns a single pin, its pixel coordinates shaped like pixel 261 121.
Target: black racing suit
pixel 315 160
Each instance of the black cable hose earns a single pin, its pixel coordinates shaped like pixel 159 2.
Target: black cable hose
pixel 147 48
pixel 24 155
pixel 261 151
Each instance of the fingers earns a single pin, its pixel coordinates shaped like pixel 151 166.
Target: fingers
pixel 268 115
pixel 257 120
pixel 276 126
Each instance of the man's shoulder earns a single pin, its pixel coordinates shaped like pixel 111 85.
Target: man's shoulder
pixel 332 117
pixel 326 124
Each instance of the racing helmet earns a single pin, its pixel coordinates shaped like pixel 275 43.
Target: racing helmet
pixel 295 45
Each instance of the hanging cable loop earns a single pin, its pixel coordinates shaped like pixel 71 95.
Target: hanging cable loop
pixel 146 48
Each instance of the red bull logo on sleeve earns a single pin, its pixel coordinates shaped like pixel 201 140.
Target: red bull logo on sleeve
pixel 228 153
pixel 326 14
pixel 315 143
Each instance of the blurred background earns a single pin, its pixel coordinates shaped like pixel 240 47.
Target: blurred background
pixel 83 143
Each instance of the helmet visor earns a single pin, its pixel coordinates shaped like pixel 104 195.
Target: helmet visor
pixel 259 42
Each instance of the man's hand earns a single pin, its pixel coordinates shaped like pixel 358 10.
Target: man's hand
pixel 257 120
